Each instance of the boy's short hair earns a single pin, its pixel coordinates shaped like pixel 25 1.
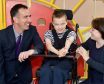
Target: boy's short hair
pixel 58 13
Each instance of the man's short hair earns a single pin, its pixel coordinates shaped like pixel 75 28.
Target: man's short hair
pixel 15 9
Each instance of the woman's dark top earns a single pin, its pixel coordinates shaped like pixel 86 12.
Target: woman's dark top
pixel 95 63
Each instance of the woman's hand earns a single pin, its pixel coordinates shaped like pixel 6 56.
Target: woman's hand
pixel 83 53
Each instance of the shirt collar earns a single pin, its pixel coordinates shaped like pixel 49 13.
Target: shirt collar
pixel 16 33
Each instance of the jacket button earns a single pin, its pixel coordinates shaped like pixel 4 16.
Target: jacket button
pixel 16 75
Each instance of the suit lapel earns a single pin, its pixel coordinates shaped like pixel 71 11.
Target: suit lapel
pixel 11 35
pixel 24 39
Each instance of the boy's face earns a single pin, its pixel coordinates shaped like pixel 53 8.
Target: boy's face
pixel 59 24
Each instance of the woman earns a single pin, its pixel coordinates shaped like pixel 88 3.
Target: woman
pixel 95 58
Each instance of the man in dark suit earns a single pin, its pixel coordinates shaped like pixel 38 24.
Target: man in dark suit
pixel 15 47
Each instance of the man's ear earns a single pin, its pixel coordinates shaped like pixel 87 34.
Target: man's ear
pixel 15 19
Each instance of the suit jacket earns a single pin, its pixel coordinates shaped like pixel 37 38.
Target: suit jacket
pixel 10 67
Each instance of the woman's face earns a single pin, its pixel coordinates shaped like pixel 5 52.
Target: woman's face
pixel 95 34
pixel 59 24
